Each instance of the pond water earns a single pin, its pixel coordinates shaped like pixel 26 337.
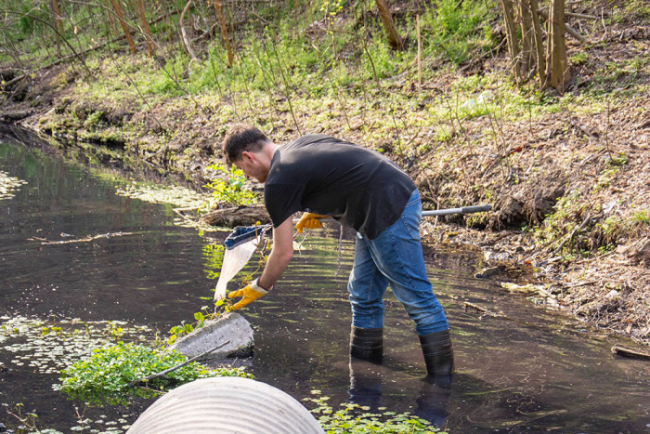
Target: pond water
pixel 530 371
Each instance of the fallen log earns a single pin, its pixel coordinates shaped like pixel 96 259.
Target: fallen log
pixel 237 216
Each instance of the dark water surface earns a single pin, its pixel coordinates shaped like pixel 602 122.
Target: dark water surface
pixel 531 372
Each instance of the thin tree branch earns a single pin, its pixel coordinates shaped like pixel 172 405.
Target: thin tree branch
pixel 8 11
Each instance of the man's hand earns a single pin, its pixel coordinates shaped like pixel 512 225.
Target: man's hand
pixel 249 294
pixel 309 221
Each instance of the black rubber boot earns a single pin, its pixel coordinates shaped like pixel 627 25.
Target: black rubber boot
pixel 366 344
pixel 438 354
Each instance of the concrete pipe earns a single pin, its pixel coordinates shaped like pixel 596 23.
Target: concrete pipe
pixel 226 405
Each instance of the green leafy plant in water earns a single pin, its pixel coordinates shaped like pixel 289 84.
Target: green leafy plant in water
pixel 220 307
pixel 107 375
pixel 113 331
pixel 229 187
pixel 53 330
pixel 353 419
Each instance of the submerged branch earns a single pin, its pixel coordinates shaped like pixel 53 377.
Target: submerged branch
pixel 45 241
pixel 174 368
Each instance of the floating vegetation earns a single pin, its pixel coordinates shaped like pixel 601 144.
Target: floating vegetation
pixel 355 419
pixel 49 347
pixel 8 185
pixel 96 364
pixel 28 423
pixel 174 195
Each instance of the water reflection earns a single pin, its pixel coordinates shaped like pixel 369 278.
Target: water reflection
pixel 431 400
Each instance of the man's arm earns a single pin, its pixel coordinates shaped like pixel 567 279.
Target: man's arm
pixel 280 256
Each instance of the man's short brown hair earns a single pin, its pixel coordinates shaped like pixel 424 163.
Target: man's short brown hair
pixel 242 137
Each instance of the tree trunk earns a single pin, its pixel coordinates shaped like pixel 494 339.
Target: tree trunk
pixel 120 16
pixel 58 21
pixel 58 24
pixel 393 37
pixel 111 27
pixel 184 38
pixel 539 46
pixel 145 28
pixel 527 58
pixel 558 64
pixel 224 32
pixel 511 34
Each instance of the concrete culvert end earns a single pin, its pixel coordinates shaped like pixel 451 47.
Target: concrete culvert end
pixel 226 405
pixel 230 327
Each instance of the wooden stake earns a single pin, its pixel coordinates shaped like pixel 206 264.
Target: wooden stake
pixel 527 58
pixel 539 46
pixel 511 35
pixel 57 15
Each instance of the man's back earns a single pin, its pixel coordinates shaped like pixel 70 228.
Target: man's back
pixel 318 173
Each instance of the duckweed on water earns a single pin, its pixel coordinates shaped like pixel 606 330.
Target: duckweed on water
pixel 8 185
pixel 355 419
pixel 176 196
pixel 51 347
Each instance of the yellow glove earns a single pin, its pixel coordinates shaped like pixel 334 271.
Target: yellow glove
pixel 309 221
pixel 248 294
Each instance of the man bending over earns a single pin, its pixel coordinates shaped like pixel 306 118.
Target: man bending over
pixel 362 189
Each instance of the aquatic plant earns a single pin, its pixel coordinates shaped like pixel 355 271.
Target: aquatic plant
pixel 112 372
pixel 156 193
pixel 8 185
pixel 228 187
pixel 355 419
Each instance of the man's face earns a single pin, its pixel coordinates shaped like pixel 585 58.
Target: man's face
pixel 252 167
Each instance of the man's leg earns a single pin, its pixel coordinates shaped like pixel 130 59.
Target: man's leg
pixel 397 253
pixel 366 286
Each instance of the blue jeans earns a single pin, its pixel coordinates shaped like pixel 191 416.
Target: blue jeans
pixel 394 257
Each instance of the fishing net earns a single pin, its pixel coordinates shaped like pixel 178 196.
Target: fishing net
pixel 240 246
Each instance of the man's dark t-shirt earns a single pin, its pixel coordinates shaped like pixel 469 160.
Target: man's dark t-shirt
pixel 358 187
